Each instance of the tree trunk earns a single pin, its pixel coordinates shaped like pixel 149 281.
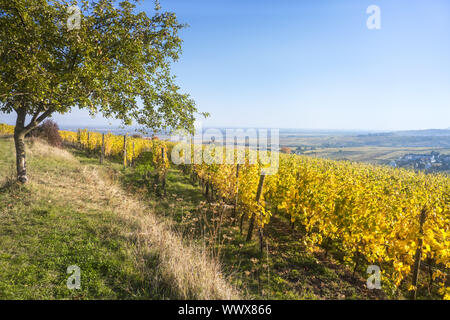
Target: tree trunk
pixel 20 130
pixel 19 141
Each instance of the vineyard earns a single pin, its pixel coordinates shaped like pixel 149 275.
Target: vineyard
pixel 6 129
pixel 372 215
pixel 395 219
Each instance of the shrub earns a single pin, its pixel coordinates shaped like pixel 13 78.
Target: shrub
pixel 48 131
pixel 286 150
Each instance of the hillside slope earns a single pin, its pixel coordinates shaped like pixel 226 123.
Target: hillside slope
pixel 74 213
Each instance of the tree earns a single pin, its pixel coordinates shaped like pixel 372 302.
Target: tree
pixel 102 56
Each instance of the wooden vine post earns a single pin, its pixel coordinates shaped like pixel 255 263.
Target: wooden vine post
pixel 261 239
pixel 418 255
pixel 102 151
pixel 163 158
pixel 236 199
pixel 134 154
pixel 258 197
pixel 207 190
pixel 79 137
pixel 125 150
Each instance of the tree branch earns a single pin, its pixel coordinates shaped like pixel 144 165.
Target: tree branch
pixel 14 94
pixel 20 16
pixel 36 120
pixel 20 121
pixel 35 115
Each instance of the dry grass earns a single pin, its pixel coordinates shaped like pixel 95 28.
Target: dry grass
pixel 39 148
pixel 188 271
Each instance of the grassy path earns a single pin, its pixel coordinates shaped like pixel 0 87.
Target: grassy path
pixel 74 212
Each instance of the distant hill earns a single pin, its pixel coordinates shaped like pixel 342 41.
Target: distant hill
pixel 431 138
pixel 423 133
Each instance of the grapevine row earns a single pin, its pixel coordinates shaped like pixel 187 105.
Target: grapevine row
pixel 370 213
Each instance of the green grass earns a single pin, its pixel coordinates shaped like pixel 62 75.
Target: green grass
pixel 40 240
pixel 47 227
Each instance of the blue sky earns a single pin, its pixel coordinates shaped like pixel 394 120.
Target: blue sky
pixel 313 64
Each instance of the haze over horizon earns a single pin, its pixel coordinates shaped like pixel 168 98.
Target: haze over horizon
pixel 81 119
pixel 310 65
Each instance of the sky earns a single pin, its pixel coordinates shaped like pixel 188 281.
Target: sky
pixel 311 64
